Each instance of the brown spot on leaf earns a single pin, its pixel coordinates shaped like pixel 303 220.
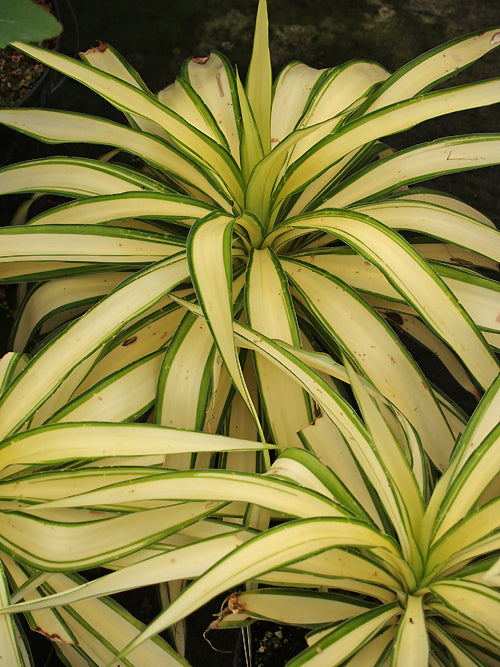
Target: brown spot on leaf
pixel 54 636
pixel 219 84
pixel 129 341
pixel 100 48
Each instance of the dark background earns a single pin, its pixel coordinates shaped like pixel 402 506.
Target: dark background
pixel 155 36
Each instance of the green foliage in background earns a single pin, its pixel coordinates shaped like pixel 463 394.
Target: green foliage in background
pixel 23 20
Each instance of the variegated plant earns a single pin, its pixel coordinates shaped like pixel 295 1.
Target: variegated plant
pixel 278 206
pixel 381 570
pixel 266 231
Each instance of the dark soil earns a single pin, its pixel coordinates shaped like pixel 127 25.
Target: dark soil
pixel 19 73
pixel 272 645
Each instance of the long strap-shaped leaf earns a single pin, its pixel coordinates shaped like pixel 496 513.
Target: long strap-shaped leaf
pixel 303 468
pixel 130 99
pixel 111 398
pixel 474 605
pixel 145 336
pixel 61 546
pixel 108 208
pixel 457 648
pixel 444 200
pixel 478 532
pixel 347 639
pixel 213 79
pixel 278 495
pixel 287 605
pixel 209 252
pixel 335 95
pixel 48 300
pixel 189 562
pixel 85 243
pixel 11 364
pixel 107 59
pixel 410 499
pixel 74 177
pixel 473 479
pixel 411 646
pixel 186 376
pixel 417 164
pixel 261 183
pixel 64 391
pixel 334 406
pixel 377 351
pixel 49 368
pixel 291 92
pixel 27 272
pixel 325 439
pixel 338 568
pixel 477 294
pixel 484 419
pixel 389 120
pixel 434 66
pixel 103 627
pixel 437 221
pixel 48 620
pixel 259 79
pixel 275 548
pixel 61 127
pixel 55 485
pixel 8 631
pixel 181 97
pixel 414 279
pixel 269 309
pixel 58 443
pixel 251 151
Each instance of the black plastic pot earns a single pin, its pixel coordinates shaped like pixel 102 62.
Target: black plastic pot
pixel 15 147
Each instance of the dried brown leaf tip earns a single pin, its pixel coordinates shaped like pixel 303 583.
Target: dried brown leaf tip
pixel 201 61
pixel 100 48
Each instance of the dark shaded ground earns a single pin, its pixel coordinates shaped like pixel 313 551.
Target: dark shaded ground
pixel 157 35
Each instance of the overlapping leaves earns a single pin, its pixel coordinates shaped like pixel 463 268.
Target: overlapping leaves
pixel 268 232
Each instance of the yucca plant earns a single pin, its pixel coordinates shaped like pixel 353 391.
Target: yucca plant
pixel 379 568
pixel 158 291
pixel 275 205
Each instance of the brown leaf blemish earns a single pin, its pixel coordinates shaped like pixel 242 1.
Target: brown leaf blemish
pixel 219 83
pixel 200 61
pixel 101 47
pixel 129 341
pixel 54 636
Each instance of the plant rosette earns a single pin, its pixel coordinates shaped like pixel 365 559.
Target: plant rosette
pixel 410 572
pixel 278 206
pixel 267 244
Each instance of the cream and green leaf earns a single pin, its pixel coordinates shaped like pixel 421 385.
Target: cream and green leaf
pixel 421 577
pixel 245 273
